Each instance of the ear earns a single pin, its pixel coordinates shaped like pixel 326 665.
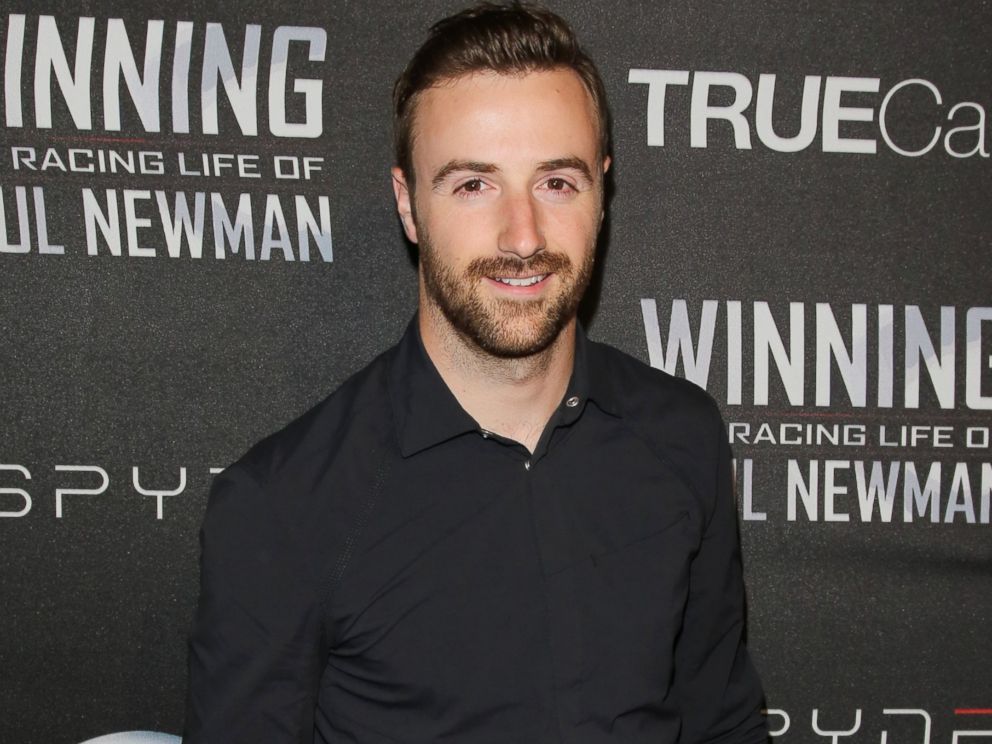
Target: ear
pixel 403 205
pixel 607 162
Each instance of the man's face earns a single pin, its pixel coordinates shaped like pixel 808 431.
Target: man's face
pixel 508 203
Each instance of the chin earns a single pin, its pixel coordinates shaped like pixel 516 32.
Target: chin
pixel 518 344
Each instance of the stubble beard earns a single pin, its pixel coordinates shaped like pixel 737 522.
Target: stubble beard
pixel 505 328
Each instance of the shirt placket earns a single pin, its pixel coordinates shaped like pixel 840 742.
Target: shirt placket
pixel 559 589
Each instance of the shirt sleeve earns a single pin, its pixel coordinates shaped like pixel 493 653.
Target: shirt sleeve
pixel 257 649
pixel 718 689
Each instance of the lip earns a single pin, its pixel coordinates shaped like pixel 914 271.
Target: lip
pixel 523 291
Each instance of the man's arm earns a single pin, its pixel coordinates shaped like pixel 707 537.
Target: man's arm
pixel 257 648
pixel 718 689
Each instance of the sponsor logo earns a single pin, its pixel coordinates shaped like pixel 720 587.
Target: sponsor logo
pixel 913 725
pixel 779 343
pixel 110 54
pixel 171 188
pixel 832 110
pixel 143 223
pixel 82 481
pixel 848 395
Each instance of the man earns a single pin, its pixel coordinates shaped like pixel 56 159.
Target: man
pixel 499 531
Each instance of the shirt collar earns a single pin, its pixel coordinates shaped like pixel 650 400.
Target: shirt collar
pixel 427 413
pixel 591 378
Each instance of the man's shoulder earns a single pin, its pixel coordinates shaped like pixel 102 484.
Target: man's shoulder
pixel 356 416
pixel 650 395
pixel 678 421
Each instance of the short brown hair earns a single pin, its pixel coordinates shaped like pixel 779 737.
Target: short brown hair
pixel 507 39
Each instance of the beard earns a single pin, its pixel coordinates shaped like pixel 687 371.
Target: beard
pixel 504 327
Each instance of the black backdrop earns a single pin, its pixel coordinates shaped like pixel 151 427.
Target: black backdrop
pixel 833 297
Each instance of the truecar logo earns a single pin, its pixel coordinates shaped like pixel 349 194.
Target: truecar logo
pixel 828 104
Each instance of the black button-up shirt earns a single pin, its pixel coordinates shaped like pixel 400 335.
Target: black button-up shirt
pixel 383 570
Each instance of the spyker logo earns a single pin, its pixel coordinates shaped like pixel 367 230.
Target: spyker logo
pixel 780 723
pixel 135 737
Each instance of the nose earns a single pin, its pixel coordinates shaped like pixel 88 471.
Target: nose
pixel 522 234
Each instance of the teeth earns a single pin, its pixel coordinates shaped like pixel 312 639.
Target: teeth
pixel 527 282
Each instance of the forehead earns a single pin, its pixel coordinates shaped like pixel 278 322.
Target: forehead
pixel 495 117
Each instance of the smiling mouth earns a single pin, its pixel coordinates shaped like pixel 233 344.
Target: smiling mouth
pixel 527 281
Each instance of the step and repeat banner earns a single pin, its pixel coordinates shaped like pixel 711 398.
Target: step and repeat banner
pixel 198 243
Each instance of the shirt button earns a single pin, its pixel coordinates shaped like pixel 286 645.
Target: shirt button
pixel 572 402
pixel 485 434
pixel 527 465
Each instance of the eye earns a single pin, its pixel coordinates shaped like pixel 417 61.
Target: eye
pixel 471 187
pixel 559 187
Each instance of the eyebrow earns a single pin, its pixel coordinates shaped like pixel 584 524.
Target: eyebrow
pixel 572 163
pixel 476 166
pixel 454 166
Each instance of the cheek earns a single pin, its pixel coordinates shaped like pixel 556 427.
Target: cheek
pixel 574 232
pixel 457 232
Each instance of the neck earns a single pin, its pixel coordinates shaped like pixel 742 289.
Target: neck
pixel 514 397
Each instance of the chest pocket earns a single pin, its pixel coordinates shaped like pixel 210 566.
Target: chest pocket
pixel 631 614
